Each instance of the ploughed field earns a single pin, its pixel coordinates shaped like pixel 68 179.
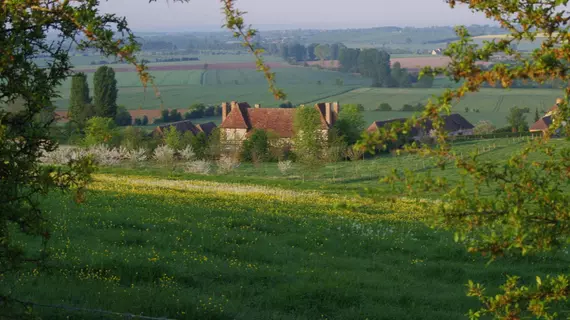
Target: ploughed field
pixel 257 244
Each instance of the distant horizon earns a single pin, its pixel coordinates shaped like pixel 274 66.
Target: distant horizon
pixel 205 15
pixel 274 28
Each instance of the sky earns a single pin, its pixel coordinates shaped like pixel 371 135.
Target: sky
pixel 206 15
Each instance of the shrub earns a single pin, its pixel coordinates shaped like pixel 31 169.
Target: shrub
pixel 99 130
pixel 164 116
pixel 198 166
pixel 174 116
pixel 163 154
pixel 256 147
pixel 145 121
pixel 106 156
pixel 285 166
pixel 227 164
pixel 384 107
pixel 484 127
pixel 133 138
pixel 137 155
pixel 187 153
pixel 172 138
pixel 286 105
pixel 123 117
pixel 138 122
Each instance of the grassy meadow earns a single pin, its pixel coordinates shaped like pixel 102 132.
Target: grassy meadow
pixel 257 244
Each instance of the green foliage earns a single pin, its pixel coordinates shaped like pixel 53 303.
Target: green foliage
pixel 123 117
pixel 384 107
pixel 173 138
pixel 350 123
pixel 375 64
pixel 536 115
pixel 425 81
pixel 400 77
pixel 309 139
pixel 286 105
pixel 200 145
pixel 519 205
pixel 174 116
pixel 484 127
pixel 145 120
pixel 105 92
pixel 517 119
pixel 80 108
pixel 410 108
pixel 133 138
pixel 256 147
pixel 100 131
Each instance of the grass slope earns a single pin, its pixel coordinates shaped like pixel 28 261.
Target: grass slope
pixel 200 248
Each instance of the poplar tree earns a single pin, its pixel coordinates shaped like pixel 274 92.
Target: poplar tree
pixel 105 92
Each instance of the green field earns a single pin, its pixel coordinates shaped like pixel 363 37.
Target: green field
pixel 493 104
pixel 255 244
pixel 182 88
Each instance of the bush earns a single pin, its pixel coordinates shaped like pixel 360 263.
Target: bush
pixel 286 105
pixel 198 166
pixel 138 122
pixel 411 108
pixel 163 154
pixel 172 138
pixel 100 130
pixel 187 153
pixel 133 138
pixel 256 147
pixel 484 127
pixel 164 116
pixel 285 166
pixel 384 107
pixel 137 155
pixel 106 156
pixel 123 117
pixel 145 121
pixel 174 116
pixel 227 164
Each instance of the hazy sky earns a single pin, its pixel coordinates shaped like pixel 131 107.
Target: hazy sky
pixel 206 14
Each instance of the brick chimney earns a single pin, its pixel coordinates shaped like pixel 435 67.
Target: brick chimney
pixel 328 113
pixel 257 106
pixel 336 110
pixel 234 106
pixel 224 111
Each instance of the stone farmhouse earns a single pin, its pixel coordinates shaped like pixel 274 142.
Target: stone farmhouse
pixel 240 120
pixel 455 125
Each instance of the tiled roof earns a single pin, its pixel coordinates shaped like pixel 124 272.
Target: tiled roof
pixel 181 126
pixel 236 119
pixel 207 127
pixel 542 124
pixel 277 120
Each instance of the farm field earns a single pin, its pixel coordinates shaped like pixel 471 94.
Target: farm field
pixel 182 88
pixel 494 104
pixel 258 245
